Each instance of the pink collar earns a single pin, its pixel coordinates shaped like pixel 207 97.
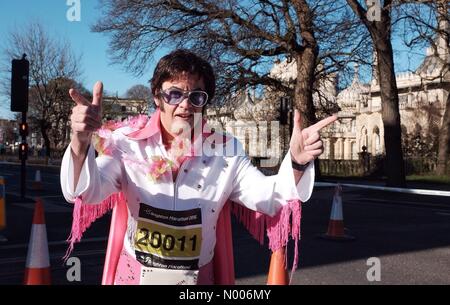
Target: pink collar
pixel 150 129
pixel 153 127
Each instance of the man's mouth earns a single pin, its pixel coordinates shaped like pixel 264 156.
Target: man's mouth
pixel 184 115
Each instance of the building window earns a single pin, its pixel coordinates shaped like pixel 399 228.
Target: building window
pixel 124 108
pixel 354 153
pixel 364 139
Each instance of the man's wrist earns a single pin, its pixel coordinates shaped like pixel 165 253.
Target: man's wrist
pixel 298 166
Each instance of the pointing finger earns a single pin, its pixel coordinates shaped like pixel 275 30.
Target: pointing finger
pixel 78 98
pixel 98 94
pixel 297 120
pixel 325 122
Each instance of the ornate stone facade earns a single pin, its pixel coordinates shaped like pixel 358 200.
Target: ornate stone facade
pixel 422 96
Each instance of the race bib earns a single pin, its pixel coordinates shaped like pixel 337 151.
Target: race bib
pixel 168 244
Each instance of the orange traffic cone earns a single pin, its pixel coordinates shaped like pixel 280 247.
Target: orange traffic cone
pixel 37 183
pixel 37 270
pixel 336 229
pixel 278 274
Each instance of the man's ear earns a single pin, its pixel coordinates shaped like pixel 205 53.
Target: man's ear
pixel 156 99
pixel 157 102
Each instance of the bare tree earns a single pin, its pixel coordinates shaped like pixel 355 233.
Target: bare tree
pixel 242 39
pixel 141 92
pixel 380 30
pixel 53 66
pixel 428 25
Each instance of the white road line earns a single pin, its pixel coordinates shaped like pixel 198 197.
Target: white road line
pixel 54 256
pixel 392 204
pixel 32 197
pixel 55 243
pixel 390 189
pixel 443 213
pixel 52 196
pixel 396 201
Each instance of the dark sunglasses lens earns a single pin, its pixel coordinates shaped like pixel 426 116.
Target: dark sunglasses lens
pixel 198 98
pixel 175 97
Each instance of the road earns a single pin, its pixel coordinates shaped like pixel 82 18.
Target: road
pixel 409 234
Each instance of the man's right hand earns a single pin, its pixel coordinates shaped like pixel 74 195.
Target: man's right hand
pixel 85 119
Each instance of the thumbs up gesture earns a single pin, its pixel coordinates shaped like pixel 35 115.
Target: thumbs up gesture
pixel 305 143
pixel 86 117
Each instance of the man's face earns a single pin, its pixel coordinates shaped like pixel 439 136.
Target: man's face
pixel 180 118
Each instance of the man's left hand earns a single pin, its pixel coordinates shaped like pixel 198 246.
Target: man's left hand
pixel 306 144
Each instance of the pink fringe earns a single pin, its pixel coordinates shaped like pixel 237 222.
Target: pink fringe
pixel 85 214
pixel 279 228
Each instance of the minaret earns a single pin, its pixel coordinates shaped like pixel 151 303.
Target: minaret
pixel 375 79
pixel 356 73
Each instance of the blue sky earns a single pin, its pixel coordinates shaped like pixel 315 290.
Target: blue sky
pixel 94 47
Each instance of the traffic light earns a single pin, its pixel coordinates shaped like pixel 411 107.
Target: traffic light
pixel 19 84
pixel 23 151
pixel 23 129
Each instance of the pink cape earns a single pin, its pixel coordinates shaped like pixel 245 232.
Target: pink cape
pixel 279 228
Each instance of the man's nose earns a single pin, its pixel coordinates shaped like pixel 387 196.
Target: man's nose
pixel 185 103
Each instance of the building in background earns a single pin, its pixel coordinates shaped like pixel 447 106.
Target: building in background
pixel 422 97
pixel 115 108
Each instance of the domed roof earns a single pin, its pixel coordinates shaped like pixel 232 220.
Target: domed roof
pixel 256 110
pixel 348 97
pixel 244 109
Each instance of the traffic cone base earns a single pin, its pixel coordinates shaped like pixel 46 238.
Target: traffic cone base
pixel 37 276
pixel 278 274
pixel 37 269
pixel 343 237
pixel 37 183
pixel 336 230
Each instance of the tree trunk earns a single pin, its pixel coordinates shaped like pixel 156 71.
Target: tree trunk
pixel 380 32
pixel 444 136
pixel 46 138
pixel 395 168
pixel 444 141
pixel 303 94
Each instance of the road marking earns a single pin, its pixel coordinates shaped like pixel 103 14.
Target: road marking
pixel 51 196
pixel 443 213
pixel 397 204
pixel 48 207
pixel 34 196
pixel 56 243
pixel 390 189
pixel 396 201
pixel 54 256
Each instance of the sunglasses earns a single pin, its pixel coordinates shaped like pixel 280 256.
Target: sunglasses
pixel 174 96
